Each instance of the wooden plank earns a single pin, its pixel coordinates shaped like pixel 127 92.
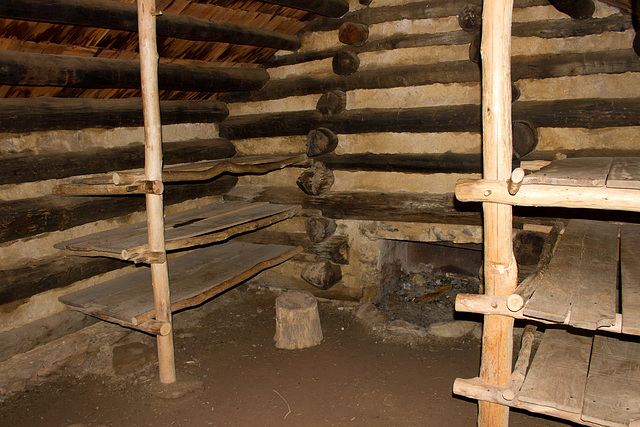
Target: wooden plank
pixel 625 173
pixel 193 222
pixel 558 372
pixel 194 278
pixel 630 278
pixel 580 284
pixel 612 395
pixel 579 172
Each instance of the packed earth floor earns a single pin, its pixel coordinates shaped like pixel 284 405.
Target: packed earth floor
pixel 231 374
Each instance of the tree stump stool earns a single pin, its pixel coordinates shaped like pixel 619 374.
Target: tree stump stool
pixel 297 321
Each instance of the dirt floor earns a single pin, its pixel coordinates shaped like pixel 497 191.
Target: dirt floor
pixel 236 377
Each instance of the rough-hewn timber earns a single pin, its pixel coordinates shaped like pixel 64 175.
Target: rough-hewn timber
pixel 39 114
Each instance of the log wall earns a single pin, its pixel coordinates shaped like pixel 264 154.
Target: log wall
pixel 408 117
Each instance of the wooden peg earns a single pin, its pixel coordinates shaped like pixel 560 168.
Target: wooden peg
pixel 515 181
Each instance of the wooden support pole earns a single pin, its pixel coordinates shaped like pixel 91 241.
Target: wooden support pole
pixel 522 364
pixel 153 171
pixel 500 268
pixel 117 15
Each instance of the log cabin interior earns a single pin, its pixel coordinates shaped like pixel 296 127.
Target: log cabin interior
pixel 155 154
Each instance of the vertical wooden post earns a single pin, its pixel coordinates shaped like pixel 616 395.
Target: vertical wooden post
pixel 153 171
pixel 501 273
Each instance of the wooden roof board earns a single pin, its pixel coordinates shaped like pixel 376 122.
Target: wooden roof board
pixel 630 278
pixel 580 283
pixel 612 395
pixel 558 373
pixel 625 173
pixel 193 222
pixel 579 172
pixel 194 277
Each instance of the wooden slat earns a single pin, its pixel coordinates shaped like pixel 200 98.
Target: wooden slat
pixel 559 371
pixel 580 284
pixel 580 172
pixel 612 395
pixel 625 173
pixel 194 278
pixel 630 278
pixel 194 222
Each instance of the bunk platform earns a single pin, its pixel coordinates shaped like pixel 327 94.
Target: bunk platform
pixel 611 183
pixel 194 277
pixel 199 226
pixel 587 380
pixel 134 182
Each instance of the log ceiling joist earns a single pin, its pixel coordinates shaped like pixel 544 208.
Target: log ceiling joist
pixel 330 8
pixel 116 15
pixel 44 113
pixel 32 69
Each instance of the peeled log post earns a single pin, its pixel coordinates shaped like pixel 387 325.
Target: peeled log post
pixel 577 9
pixel 345 63
pixel 353 33
pixel 321 141
pixel 322 275
pixel 470 18
pixel 320 228
pixel 332 103
pixel 297 321
pixel 316 180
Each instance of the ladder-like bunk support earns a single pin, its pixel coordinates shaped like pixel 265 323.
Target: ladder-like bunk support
pixel 500 268
pixel 153 172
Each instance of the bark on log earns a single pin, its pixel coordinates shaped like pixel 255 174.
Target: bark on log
pixel 316 180
pixel 123 16
pixel 579 113
pixel 320 228
pixel 474 49
pixel 35 69
pixel 322 275
pixel 577 9
pixel 297 321
pixel 332 103
pixel 533 67
pixel 331 8
pixel 353 33
pixel 38 114
pixel 29 217
pixel 470 18
pixel 321 141
pixel 31 168
pixel 345 63
pixel 412 163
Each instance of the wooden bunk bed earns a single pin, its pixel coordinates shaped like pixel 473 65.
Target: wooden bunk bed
pixel 584 371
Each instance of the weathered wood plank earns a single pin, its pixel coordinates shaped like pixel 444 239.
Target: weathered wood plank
pixel 580 283
pixel 612 395
pixel 44 113
pixel 195 278
pixel 577 172
pixel 558 373
pixel 532 67
pixel 205 220
pixel 30 168
pixel 123 16
pixel 36 69
pixel 625 173
pixel 581 113
pixel 630 278
pixel 29 217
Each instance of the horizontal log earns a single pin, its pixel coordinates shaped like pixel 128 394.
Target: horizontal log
pixel 578 113
pixel 577 9
pixel 549 29
pixel 30 168
pixel 29 217
pixel 548 195
pixel 34 69
pixel 52 273
pixel 529 67
pixel 412 163
pixel 418 10
pixel 39 114
pixel 331 8
pixel 123 16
